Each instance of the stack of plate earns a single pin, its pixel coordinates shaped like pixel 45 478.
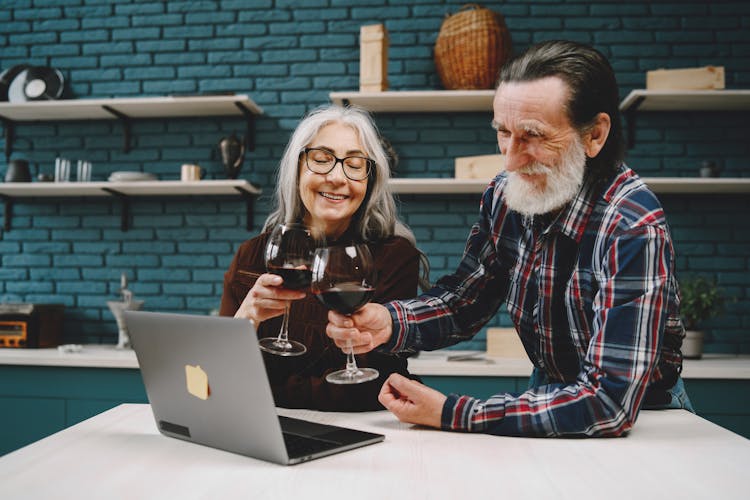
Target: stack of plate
pixel 125 176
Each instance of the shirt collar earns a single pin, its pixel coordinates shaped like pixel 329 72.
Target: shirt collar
pixel 572 219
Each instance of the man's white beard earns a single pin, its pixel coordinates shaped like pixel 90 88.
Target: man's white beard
pixel 562 183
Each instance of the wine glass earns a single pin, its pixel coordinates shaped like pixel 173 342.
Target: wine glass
pixel 343 280
pixel 288 254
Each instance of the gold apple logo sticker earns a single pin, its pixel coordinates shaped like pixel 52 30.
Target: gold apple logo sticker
pixel 197 382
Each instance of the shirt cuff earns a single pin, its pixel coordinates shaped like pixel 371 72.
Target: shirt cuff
pixel 463 414
pixel 397 341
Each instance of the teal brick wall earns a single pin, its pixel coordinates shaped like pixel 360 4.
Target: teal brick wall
pixel 288 55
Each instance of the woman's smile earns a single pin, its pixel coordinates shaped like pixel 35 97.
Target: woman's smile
pixel 332 199
pixel 333 196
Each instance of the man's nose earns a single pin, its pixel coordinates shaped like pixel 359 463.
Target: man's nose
pixel 515 155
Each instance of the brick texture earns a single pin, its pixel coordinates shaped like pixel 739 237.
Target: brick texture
pixel 288 55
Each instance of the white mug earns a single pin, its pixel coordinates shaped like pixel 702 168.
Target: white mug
pixel 190 172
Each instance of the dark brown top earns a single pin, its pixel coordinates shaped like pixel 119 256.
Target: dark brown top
pixel 299 381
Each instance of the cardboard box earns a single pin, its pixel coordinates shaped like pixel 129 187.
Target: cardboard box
pixel 484 167
pixel 373 58
pixel 706 78
pixel 504 343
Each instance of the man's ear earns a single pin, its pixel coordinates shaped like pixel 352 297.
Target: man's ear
pixel 596 136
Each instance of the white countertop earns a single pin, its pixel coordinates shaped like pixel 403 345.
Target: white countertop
pixel 120 454
pixel 436 363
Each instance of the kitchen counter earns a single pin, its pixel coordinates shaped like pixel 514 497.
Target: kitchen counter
pixel 436 363
pixel 120 454
pixel 46 390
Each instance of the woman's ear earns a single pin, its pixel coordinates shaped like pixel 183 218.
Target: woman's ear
pixel 596 136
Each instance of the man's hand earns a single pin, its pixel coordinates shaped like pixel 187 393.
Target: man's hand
pixel 412 402
pixel 367 328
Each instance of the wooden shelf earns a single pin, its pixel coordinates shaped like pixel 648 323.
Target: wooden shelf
pixel 696 185
pixel 418 101
pixel 661 185
pixel 680 100
pixel 129 108
pixel 423 101
pixel 686 100
pixel 481 100
pixel 438 186
pixel 10 191
pixel 135 188
pixel 135 107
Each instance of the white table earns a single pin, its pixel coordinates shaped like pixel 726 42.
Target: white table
pixel 120 454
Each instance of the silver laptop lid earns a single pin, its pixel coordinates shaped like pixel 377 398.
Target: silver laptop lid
pixel 206 382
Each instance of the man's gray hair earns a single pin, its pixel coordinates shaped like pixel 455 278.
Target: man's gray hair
pixel 593 90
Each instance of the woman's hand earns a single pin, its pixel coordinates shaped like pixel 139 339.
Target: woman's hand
pixel 267 299
pixel 367 328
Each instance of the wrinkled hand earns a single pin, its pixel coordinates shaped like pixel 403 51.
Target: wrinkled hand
pixel 369 327
pixel 412 402
pixel 267 299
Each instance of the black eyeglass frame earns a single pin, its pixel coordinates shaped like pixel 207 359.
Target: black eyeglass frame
pixel 369 163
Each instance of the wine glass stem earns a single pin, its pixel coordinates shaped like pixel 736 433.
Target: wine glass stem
pixel 351 363
pixel 284 332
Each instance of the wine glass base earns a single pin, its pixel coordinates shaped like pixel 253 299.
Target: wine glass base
pixel 278 347
pixel 356 376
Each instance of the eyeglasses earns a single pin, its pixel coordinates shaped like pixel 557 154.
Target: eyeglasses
pixel 320 161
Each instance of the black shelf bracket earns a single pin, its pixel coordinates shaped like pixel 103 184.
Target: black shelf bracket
pixel 249 204
pixel 630 120
pixel 250 126
pixel 8 213
pixel 9 132
pixel 126 126
pixel 125 210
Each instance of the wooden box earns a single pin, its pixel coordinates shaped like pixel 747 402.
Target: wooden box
pixel 484 167
pixel 504 343
pixel 373 58
pixel 706 78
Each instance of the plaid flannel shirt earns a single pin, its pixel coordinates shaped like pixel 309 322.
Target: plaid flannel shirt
pixel 592 295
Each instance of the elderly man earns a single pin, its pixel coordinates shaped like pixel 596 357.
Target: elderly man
pixel 578 248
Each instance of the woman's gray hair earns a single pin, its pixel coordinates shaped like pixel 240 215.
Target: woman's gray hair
pixel 376 218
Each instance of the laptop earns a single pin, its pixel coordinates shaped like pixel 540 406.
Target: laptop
pixel 207 384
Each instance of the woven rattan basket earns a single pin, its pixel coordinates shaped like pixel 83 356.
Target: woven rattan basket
pixel 471 48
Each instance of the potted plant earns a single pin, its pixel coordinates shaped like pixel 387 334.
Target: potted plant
pixel 701 300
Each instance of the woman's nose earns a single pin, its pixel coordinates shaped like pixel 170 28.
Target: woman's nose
pixel 337 172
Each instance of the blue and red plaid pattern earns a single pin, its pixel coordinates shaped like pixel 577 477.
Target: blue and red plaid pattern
pixel 592 295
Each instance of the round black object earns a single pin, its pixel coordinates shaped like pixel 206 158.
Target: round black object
pixel 42 83
pixel 7 76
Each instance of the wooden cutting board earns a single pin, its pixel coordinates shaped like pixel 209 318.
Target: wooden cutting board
pixel 504 343
pixel 478 167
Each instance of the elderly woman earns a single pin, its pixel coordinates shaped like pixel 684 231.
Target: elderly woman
pixel 333 177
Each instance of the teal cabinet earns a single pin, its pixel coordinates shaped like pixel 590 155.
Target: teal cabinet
pixel 478 387
pixel 725 402
pixel 36 401
pixel 25 420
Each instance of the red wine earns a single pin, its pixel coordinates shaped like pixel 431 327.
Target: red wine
pixel 345 297
pixel 294 279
